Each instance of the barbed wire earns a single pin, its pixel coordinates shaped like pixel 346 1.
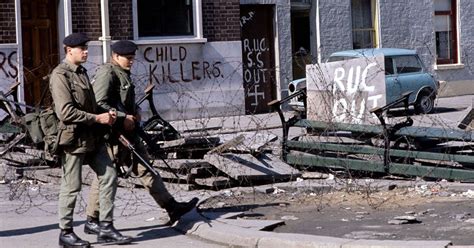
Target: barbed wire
pixel 27 192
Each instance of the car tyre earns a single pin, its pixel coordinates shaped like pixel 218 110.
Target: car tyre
pixel 425 103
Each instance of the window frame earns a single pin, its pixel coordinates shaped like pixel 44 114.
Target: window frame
pixel 197 28
pixel 453 14
pixel 374 30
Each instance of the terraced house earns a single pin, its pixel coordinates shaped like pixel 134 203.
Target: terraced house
pixel 439 30
pixel 218 58
pixel 190 49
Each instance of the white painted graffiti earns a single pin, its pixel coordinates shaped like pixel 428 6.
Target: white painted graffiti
pixel 355 86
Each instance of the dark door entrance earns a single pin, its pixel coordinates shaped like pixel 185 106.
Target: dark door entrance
pixel 40 47
pixel 300 32
pixel 258 57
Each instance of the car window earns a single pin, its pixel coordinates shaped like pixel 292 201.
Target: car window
pixel 407 64
pixel 388 66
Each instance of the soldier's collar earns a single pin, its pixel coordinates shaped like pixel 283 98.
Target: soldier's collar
pixel 74 67
pixel 118 67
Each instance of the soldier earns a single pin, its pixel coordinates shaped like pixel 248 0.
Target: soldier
pixel 113 88
pixel 77 111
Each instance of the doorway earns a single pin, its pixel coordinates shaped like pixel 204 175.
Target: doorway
pixel 300 37
pixel 40 48
pixel 258 55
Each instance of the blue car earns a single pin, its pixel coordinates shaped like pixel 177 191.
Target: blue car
pixel 404 71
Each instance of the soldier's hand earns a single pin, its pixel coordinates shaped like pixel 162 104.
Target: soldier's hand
pixel 138 117
pixel 105 118
pixel 129 123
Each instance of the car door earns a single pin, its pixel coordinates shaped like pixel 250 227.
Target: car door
pixel 410 75
pixel 392 85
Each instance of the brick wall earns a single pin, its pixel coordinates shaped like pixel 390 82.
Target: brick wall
pixel 121 22
pixel 221 20
pixel 86 17
pixel 7 22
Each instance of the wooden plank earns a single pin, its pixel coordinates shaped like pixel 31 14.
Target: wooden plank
pixel 246 166
pixel 378 166
pixel 228 144
pixel 23 158
pixel 171 178
pixel 180 164
pixel 252 142
pixel 215 182
pixel 380 151
pixel 417 132
pixel 12 143
pixel 190 142
pixel 468 121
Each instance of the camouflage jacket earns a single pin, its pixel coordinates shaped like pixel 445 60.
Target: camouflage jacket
pixel 75 106
pixel 113 87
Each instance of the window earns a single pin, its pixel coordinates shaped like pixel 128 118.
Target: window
pixel 158 19
pixel 388 66
pixel 407 64
pixel 363 24
pixel 445 31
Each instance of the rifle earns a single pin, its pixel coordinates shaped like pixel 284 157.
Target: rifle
pixel 144 136
pixel 135 153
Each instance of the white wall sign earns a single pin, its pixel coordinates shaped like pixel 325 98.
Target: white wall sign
pixel 192 80
pixel 345 91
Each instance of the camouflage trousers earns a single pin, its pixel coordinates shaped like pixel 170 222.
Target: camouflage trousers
pixel 154 184
pixel 71 182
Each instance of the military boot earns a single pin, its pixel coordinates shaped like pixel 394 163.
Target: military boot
pixel 67 238
pixel 108 234
pixel 92 226
pixel 177 209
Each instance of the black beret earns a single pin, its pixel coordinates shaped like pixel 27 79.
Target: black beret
pixel 76 39
pixel 124 47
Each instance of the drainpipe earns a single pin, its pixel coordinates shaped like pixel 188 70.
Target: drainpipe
pixel 318 33
pixel 19 46
pixel 104 9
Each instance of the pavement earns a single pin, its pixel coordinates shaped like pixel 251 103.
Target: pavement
pixel 456 88
pixel 28 211
pixel 29 219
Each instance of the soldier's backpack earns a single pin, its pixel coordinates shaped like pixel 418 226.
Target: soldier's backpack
pixel 51 131
pixel 43 126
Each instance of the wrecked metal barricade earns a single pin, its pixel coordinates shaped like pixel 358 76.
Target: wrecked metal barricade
pixel 213 161
pixel 407 151
pixel 203 160
pixel 17 148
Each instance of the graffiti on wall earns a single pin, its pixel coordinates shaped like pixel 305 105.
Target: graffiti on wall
pixel 8 64
pixel 349 89
pixel 247 18
pixel 174 64
pixel 258 57
pixel 255 68
pixel 193 80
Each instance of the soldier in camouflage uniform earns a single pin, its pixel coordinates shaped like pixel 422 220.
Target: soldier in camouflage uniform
pixel 77 111
pixel 113 87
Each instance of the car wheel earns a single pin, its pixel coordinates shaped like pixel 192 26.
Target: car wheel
pixel 425 103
